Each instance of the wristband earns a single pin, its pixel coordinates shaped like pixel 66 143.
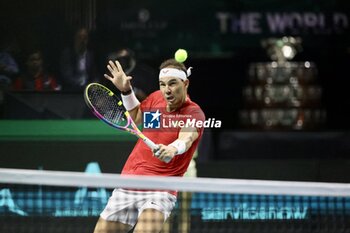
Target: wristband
pixel 126 92
pixel 130 101
pixel 180 145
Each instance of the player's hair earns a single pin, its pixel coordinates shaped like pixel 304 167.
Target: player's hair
pixel 173 64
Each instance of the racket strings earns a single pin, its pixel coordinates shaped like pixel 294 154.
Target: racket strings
pixel 106 105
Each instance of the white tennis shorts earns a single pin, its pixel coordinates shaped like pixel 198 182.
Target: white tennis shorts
pixel 125 206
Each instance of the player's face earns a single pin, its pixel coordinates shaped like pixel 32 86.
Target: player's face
pixel 174 91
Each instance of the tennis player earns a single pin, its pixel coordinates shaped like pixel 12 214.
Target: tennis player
pixel 143 210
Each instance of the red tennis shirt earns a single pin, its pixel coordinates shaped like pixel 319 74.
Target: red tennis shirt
pixel 141 161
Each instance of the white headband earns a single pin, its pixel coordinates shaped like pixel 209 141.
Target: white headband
pixel 173 72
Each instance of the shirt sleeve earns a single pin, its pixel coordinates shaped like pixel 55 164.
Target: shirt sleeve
pixel 146 104
pixel 196 114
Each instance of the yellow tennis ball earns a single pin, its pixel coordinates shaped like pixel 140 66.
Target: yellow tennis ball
pixel 181 55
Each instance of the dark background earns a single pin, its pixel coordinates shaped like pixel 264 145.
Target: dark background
pixel 220 60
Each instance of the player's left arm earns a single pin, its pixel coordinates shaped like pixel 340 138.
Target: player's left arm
pixel 184 141
pixel 188 136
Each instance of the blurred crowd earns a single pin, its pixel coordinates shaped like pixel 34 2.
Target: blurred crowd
pixel 26 69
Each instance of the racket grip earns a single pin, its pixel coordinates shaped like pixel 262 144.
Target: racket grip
pixel 150 144
pixel 154 147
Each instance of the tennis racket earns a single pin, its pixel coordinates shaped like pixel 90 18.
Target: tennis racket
pixel 109 108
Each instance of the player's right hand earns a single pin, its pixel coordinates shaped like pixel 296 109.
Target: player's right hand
pixel 165 153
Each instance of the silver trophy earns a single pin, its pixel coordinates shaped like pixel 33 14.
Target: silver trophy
pixel 282 93
pixel 282 49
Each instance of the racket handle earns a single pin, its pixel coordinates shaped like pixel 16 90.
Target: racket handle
pixel 154 147
pixel 150 144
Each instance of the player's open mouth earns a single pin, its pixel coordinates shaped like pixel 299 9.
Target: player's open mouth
pixel 170 98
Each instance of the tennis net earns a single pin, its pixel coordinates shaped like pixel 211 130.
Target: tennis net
pixel 54 201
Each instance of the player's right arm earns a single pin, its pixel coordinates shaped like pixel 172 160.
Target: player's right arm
pixel 122 82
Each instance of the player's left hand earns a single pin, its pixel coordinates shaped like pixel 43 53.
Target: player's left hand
pixel 118 77
pixel 165 153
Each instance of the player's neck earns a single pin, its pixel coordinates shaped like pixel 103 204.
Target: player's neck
pixel 176 107
pixel 171 108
